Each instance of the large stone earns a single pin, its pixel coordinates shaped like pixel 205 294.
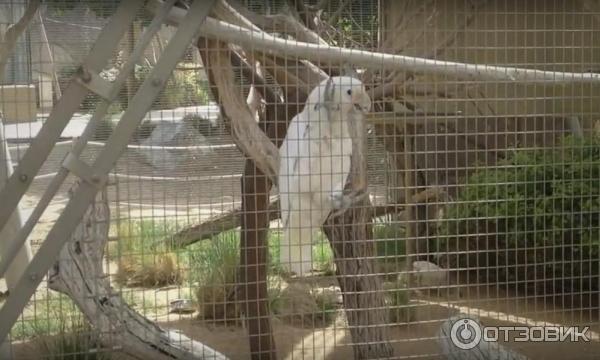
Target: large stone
pixel 428 274
pixel 172 144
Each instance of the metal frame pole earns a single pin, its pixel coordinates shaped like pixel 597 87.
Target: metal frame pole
pixel 95 176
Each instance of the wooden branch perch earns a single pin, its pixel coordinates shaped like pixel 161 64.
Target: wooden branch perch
pixel 79 274
pixel 232 219
pixel 247 134
pixel 259 40
pixel 216 225
pixel 281 23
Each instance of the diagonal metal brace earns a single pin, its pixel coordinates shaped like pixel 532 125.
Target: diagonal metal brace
pixel 117 143
pixel 85 172
pixel 95 83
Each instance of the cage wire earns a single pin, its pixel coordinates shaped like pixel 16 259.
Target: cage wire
pixel 483 194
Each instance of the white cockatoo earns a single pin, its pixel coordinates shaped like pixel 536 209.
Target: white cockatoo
pixel 314 165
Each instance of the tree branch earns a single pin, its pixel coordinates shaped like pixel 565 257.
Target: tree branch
pixel 232 219
pixel 79 274
pixel 281 23
pixel 248 136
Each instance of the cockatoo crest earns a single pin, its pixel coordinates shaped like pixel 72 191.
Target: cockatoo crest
pixel 340 93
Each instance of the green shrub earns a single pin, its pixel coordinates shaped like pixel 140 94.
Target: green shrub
pixel 390 241
pixel 533 221
pixel 184 88
pixel 213 266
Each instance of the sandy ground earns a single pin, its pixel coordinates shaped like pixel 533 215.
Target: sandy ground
pixel 333 342
pixel 135 199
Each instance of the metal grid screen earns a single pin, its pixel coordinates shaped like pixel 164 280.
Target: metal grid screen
pixel 472 232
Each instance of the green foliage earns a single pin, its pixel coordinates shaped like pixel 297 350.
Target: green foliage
pixel 54 314
pixel 80 343
pixel 323 255
pixel 215 261
pixel 397 300
pixel 213 266
pixel 538 216
pixel 390 241
pixel 184 88
pixel 143 256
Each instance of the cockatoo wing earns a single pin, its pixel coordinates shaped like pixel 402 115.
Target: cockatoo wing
pixel 300 213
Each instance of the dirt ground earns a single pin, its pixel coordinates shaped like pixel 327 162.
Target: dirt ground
pixel 414 340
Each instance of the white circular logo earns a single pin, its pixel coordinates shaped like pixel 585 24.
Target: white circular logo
pixel 465 333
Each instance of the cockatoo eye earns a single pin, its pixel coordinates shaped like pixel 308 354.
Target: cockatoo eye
pixel 349 91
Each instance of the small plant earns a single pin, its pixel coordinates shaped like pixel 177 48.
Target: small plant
pixel 149 270
pixel 398 302
pixel 58 330
pixel 214 267
pixel 78 343
pixel 323 259
pixel 390 241
pixel 143 257
pixel 49 315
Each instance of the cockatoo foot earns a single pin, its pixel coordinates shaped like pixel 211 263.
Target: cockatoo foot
pixel 341 201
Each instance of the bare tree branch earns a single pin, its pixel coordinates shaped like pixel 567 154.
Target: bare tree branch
pixel 79 274
pixel 333 18
pixel 281 23
pixel 248 136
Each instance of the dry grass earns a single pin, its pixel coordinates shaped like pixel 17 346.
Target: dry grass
pixel 149 271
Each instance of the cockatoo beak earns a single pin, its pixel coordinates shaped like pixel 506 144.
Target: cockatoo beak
pixel 362 102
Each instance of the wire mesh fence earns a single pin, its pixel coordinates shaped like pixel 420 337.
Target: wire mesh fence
pixel 478 208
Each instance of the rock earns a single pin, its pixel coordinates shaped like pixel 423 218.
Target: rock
pixel 428 274
pixel 169 134
pixel 301 306
pixel 435 278
pixel 181 306
pixel 331 294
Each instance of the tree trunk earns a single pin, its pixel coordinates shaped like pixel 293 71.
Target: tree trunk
pixel 351 238
pixel 78 273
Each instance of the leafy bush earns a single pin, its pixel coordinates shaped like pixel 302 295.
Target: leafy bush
pixel 184 88
pixel 533 221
